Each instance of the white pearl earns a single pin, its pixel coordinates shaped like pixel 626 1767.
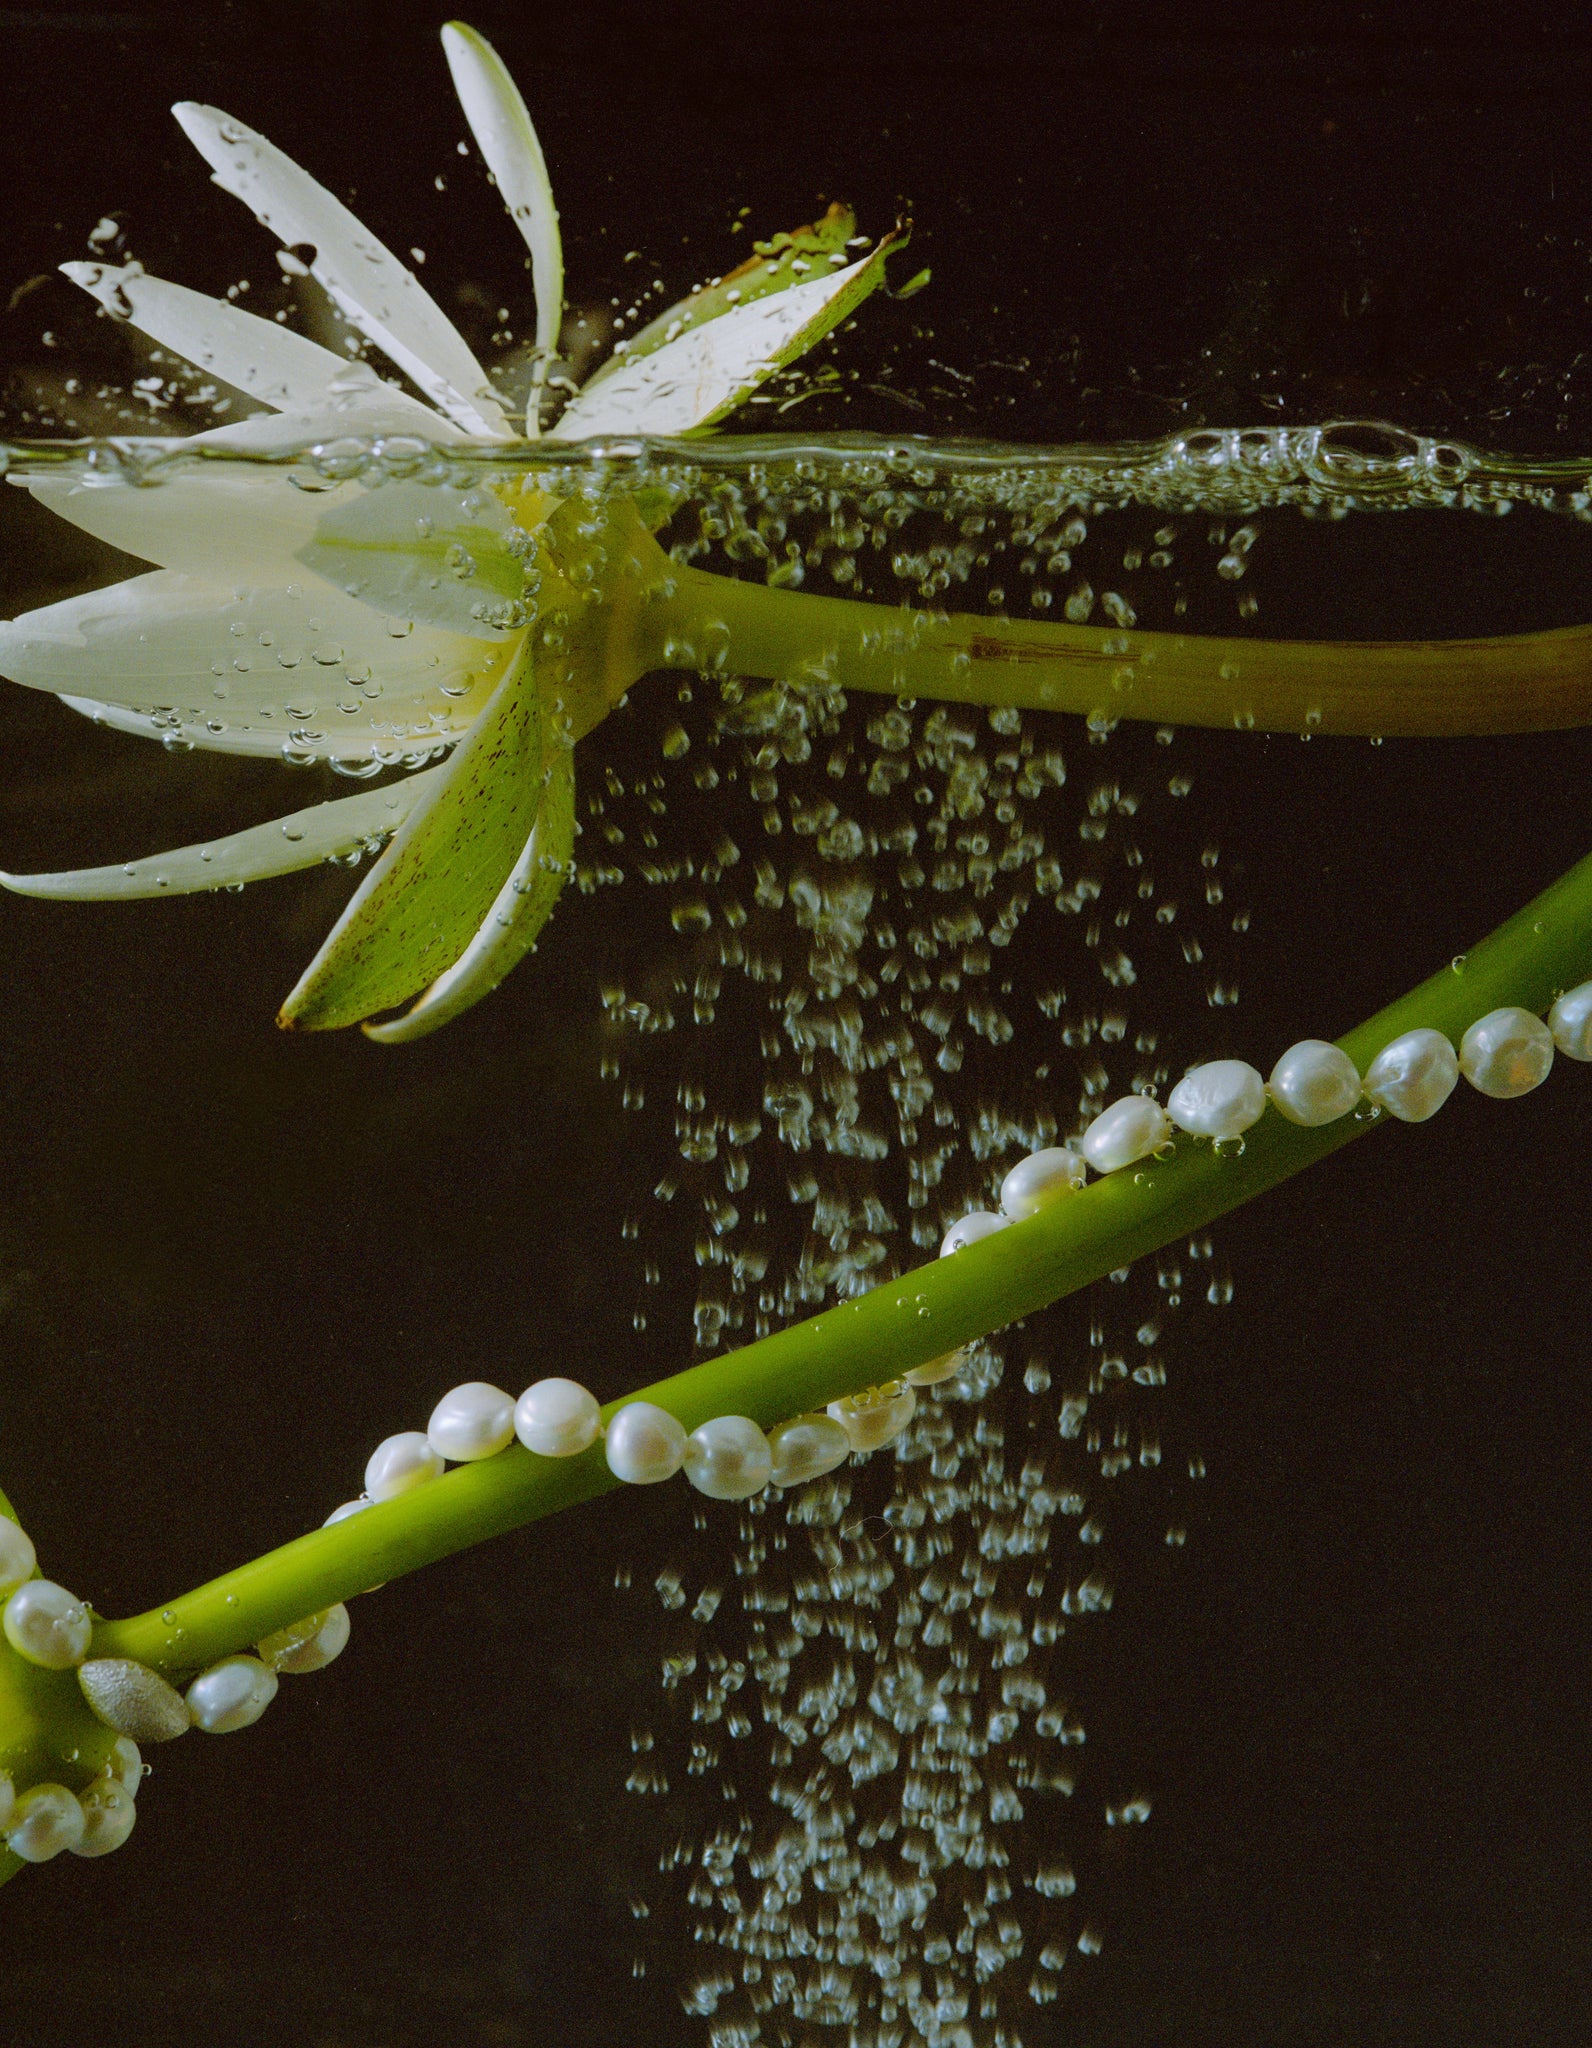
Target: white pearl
pixel 17 1559
pixel 131 1698
pixel 1413 1076
pixel 48 1625
pixel 969 1229
pixel 307 1645
pixel 1570 1021
pixel 556 1418
pixel 728 1458
pixel 8 1798
pixel 805 1448
pixel 125 1764
pixel 349 1507
pixel 1218 1100
pixel 1506 1053
pixel 44 1822
pixel 945 1367
pixel 644 1444
pixel 472 1421
pixel 399 1463
pixel 1314 1083
pixel 232 1694
pixel 1036 1181
pixel 1128 1131
pixel 877 1414
pixel 108 1817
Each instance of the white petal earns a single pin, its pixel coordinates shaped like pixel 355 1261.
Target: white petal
pixel 710 369
pixel 502 128
pixel 237 518
pixel 271 363
pixel 383 298
pixel 151 725
pixel 296 668
pixel 427 552
pixel 523 906
pixel 300 840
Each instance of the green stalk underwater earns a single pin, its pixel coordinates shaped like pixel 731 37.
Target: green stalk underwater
pixel 1542 950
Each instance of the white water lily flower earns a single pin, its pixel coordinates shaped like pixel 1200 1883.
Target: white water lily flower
pixel 335 624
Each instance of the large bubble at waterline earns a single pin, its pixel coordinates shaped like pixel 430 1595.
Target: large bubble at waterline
pixel 880 950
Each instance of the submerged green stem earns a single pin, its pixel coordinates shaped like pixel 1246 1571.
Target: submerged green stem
pixel 1544 949
pixel 1524 682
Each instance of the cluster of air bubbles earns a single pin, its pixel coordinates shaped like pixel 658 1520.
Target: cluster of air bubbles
pixel 894 948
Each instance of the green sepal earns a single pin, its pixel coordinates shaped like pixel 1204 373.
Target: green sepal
pixel 786 259
pixel 427 895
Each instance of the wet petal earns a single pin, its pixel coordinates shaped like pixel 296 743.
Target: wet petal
pixel 502 128
pixel 509 930
pixel 427 552
pixel 301 840
pixel 271 363
pixel 292 667
pixel 238 518
pixel 418 908
pixel 383 298
pixel 708 371
pixel 778 264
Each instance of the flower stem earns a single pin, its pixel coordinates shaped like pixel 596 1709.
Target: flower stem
pixel 1544 949
pixel 1526 682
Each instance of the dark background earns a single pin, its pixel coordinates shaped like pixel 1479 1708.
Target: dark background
pixel 228 1261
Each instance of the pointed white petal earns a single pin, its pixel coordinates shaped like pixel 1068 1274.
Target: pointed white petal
pixel 292 668
pixel 271 363
pixel 509 929
pixel 379 294
pixel 301 840
pixel 238 519
pixel 151 725
pixel 502 128
pixel 709 370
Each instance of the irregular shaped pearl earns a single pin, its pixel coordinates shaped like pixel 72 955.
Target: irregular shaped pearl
pixel 556 1418
pixel 472 1421
pixel 1035 1182
pixel 1314 1083
pixel 399 1463
pixel 728 1458
pixel 44 1822
pixel 805 1448
pixel 1128 1131
pixel 1218 1100
pixel 132 1699
pixel 230 1695
pixel 48 1625
pixel 1570 1021
pixel 877 1414
pixel 8 1798
pixel 1413 1076
pixel 108 1818
pixel 1506 1053
pixel 17 1559
pixel 307 1645
pixel 644 1444
pixel 125 1764
pixel 969 1229
pixel 945 1367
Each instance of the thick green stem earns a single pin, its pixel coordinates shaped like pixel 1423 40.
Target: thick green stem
pixel 1527 682
pixel 1546 948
